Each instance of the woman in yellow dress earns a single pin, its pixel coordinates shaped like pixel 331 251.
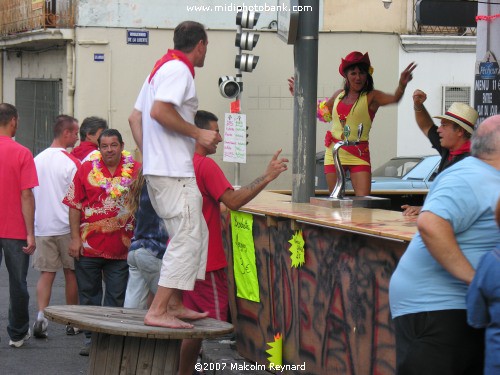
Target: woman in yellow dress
pixel 356 103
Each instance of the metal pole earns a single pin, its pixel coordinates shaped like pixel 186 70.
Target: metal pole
pixel 304 114
pixel 488 32
pixel 238 73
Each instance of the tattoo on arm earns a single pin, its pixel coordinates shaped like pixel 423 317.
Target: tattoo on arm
pixel 253 185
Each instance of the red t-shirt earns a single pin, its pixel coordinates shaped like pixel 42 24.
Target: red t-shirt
pixel 17 173
pixel 106 224
pixel 212 184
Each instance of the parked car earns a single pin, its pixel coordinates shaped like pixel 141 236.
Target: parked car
pixel 406 173
pixel 399 173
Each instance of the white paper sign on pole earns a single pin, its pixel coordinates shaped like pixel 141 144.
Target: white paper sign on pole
pixel 235 138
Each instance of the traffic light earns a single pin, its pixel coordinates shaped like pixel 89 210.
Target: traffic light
pixel 246 41
pixel 247 19
pixel 246 62
pixel 230 87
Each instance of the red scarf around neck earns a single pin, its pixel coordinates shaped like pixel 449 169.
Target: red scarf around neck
pixel 172 54
pixel 461 150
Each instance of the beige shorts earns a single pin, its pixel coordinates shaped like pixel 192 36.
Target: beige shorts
pixel 52 253
pixel 178 202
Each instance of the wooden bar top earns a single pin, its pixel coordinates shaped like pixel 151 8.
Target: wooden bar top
pixel 375 193
pixel 382 223
pixel 130 322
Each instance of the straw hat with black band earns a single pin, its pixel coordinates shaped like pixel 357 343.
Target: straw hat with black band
pixel 461 114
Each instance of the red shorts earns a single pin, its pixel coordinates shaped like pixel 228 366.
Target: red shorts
pixel 351 168
pixel 209 295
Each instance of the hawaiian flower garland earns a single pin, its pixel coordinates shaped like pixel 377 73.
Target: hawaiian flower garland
pixel 323 113
pixel 114 186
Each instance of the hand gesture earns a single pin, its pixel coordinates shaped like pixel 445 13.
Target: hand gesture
pixel 419 97
pixel 209 139
pixel 406 75
pixel 276 166
pixel 291 85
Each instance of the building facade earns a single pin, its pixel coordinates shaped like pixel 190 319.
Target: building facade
pixel 90 57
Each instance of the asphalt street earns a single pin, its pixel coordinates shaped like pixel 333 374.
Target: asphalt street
pixel 56 355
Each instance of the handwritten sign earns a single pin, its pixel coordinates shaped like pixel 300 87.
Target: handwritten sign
pixel 235 138
pixel 244 267
pixel 487 87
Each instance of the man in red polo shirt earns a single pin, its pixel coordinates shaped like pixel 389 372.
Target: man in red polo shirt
pixel 17 221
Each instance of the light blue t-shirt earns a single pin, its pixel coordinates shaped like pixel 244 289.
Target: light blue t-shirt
pixel 464 195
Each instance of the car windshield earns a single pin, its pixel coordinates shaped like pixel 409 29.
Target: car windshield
pixel 396 168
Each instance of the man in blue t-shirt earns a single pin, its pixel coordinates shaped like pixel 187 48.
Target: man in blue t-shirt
pixel 427 290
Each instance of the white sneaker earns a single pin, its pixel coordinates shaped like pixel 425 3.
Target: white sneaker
pixel 18 344
pixel 40 328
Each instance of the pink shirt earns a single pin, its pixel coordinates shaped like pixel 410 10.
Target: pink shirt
pixel 17 173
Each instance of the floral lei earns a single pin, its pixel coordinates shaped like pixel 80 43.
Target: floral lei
pixel 114 186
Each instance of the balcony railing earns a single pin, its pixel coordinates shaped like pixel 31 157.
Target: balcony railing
pixel 18 16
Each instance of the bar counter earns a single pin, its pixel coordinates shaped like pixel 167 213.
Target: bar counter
pixel 333 311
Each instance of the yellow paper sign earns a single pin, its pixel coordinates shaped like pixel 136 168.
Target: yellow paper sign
pixel 297 249
pixel 276 351
pixel 245 269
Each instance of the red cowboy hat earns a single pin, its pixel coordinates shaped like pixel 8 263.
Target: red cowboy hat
pixel 353 58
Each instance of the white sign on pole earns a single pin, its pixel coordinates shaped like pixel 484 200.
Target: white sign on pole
pixel 288 20
pixel 235 138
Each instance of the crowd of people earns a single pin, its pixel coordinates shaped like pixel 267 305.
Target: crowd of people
pixel 151 232
pixel 125 233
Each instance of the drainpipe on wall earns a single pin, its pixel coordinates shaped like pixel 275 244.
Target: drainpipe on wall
pixel 70 75
pixel 1 75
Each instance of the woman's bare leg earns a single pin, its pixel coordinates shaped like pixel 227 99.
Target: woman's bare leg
pixel 331 180
pixel 361 183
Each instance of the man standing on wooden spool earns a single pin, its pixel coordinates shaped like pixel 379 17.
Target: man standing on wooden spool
pixel 166 106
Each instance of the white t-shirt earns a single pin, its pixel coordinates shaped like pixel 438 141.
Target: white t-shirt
pixel 167 153
pixel 55 169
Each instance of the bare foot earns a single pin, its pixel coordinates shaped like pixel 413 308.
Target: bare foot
pixel 181 311
pixel 165 320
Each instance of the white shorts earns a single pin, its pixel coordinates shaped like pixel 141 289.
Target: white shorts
pixel 178 202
